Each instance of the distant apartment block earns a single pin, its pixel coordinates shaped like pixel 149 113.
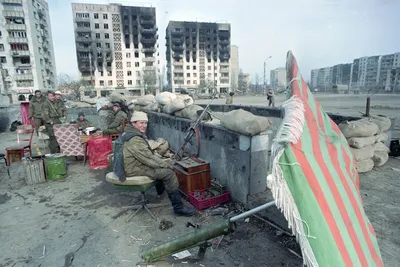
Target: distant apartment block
pixel 198 55
pixel 26 47
pixel 247 79
pixel 314 79
pixel 378 73
pixel 116 47
pixel 278 78
pixel 234 67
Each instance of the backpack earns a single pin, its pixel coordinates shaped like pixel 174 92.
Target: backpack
pixel 118 161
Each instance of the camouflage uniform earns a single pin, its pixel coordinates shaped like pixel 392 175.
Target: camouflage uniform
pixel 140 160
pixel 229 100
pixel 116 124
pixel 83 124
pixel 62 109
pixel 35 111
pixel 51 116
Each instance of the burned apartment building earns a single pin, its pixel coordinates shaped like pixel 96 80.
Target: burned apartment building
pixel 198 56
pixel 26 47
pixel 117 47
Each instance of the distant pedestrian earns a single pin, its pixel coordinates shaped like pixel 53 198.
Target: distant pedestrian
pixel 271 98
pixel 229 99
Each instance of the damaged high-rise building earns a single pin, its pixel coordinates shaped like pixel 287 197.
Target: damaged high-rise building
pixel 198 56
pixel 117 47
pixel 26 47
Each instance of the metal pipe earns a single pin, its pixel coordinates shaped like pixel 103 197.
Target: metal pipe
pixel 195 238
pixel 251 212
pixel 368 107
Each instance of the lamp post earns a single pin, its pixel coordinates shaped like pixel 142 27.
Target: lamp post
pixel 265 69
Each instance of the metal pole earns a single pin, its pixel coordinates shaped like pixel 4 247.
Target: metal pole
pixel 265 85
pixel 368 107
pixel 252 212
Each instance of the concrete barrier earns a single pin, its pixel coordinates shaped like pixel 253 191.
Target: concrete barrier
pixel 239 161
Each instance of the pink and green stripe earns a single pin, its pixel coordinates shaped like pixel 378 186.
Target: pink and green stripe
pixel 324 186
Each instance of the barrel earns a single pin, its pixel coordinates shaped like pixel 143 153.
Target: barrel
pixel 56 166
pixel 34 170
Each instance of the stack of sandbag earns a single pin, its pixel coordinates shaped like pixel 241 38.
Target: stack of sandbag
pixel 192 112
pixel 170 102
pixel 367 138
pixel 144 103
pixel 245 122
pixel 177 104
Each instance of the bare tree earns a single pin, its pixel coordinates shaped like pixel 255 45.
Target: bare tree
pixel 206 85
pixel 149 79
pixel 257 82
pixel 73 87
pixel 242 83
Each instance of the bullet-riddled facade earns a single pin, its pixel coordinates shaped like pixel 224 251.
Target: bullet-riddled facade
pixel 198 56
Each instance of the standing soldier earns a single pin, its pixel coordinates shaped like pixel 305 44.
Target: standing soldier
pixel 271 98
pixel 35 109
pixel 60 105
pixel 51 116
pixel 229 99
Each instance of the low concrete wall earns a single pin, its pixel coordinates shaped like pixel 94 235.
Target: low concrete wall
pixel 239 161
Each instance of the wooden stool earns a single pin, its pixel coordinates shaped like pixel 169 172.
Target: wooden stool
pixel 14 153
pixel 141 184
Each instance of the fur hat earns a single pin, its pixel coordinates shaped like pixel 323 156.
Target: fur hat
pixel 139 116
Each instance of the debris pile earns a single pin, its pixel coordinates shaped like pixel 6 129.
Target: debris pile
pixel 367 138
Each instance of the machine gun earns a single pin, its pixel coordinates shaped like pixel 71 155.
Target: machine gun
pixel 189 133
pixel 199 237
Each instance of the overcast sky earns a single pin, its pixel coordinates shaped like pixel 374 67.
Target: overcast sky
pixel 320 33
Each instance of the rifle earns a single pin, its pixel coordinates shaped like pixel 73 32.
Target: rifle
pixel 189 133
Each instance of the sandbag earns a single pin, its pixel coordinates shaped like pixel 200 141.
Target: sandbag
pixel 116 97
pixel 163 146
pixel 76 104
pixel 380 158
pixel 192 112
pixel 383 122
pixel 174 105
pixel 381 147
pixel 102 102
pixel 359 142
pixel 145 100
pixel 363 153
pixel 382 137
pixel 365 165
pixel 359 128
pixel 131 107
pixel 165 97
pixel 150 107
pixel 245 122
pixel 187 99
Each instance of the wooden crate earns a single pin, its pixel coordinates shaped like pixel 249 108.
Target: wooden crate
pixel 192 175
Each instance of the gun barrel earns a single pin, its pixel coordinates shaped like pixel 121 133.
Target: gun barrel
pixel 187 241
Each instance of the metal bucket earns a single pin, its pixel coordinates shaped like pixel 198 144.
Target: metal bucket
pixel 56 166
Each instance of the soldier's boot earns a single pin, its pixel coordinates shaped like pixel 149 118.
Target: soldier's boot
pixel 159 187
pixel 177 204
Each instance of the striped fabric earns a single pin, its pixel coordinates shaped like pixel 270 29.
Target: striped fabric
pixel 315 182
